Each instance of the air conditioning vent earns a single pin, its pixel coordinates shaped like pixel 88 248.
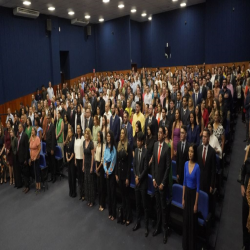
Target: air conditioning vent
pixel 19 11
pixel 79 22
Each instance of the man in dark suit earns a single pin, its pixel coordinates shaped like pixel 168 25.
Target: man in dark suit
pixel 151 119
pixel 22 159
pixel 140 167
pixel 50 147
pixel 184 111
pixel 219 77
pixel 182 154
pixel 196 95
pixel 89 123
pixel 93 102
pixel 171 114
pixel 101 104
pixel 207 163
pixel 174 93
pixel 209 83
pixel 203 88
pixel 126 124
pixel 71 115
pixel 114 124
pixel 178 103
pixel 163 121
pixel 161 164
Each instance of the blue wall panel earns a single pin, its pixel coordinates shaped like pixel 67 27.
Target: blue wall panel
pixel 186 39
pixel 113 45
pixel 227 36
pixel 146 44
pixel 25 54
pixel 135 31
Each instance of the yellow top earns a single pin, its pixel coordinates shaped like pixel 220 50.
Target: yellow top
pixel 140 117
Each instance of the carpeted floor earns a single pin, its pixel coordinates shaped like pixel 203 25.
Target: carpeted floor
pixel 53 220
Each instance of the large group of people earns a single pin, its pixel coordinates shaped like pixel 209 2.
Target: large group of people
pixel 111 123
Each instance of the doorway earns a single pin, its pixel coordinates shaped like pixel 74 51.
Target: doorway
pixel 64 66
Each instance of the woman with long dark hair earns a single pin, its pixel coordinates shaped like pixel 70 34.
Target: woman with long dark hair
pixel 105 128
pixel 88 165
pixel 78 150
pixel 122 174
pixel 137 130
pixel 190 196
pixel 198 118
pixel 193 130
pixel 176 131
pixel 109 162
pixel 101 182
pixel 28 127
pixel 79 118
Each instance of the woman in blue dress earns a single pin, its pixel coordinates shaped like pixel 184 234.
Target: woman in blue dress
pixel 191 189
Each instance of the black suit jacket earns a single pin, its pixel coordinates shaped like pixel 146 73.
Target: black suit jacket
pixel 180 105
pixel 160 172
pixel 91 123
pixel 209 85
pixel 207 172
pixel 163 123
pixel 71 118
pixel 181 158
pixel 93 102
pixel 203 93
pixel 171 118
pixel 124 104
pixel 155 125
pixel 50 138
pixel 101 105
pixel 142 168
pixel 23 149
pixel 185 117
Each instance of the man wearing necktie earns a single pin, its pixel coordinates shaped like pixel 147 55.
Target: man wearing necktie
pixel 178 100
pixel 50 147
pixel 182 154
pixel 161 164
pixel 22 159
pixel 207 163
pixel 140 167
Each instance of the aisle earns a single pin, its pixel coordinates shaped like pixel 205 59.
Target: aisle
pixel 230 229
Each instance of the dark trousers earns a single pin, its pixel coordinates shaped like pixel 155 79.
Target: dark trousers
pixel 141 199
pixel 72 178
pixel 52 165
pixel 161 209
pixel 80 177
pixel 111 190
pixel 26 174
pixel 127 212
pixel 18 173
pixel 245 212
pixel 101 186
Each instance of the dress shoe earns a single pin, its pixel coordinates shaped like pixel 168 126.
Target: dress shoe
pixel 156 231
pixel 146 232
pixel 27 190
pixel 137 226
pixel 165 238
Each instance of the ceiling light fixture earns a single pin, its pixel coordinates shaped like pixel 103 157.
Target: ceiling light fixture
pixel 101 20
pixel 105 1
pixel 133 10
pixel 183 4
pixel 71 13
pixel 87 17
pixel 120 6
pixel 174 0
pixel 27 3
pixel 143 14
pixel 150 18
pixel 51 8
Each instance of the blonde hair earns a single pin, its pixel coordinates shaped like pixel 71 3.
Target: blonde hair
pixel 125 145
pixel 87 130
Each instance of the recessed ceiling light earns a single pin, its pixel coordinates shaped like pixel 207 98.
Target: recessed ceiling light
pixel 101 20
pixel 174 0
pixel 133 10
pixel 183 4
pixel 150 18
pixel 71 13
pixel 143 14
pixel 87 17
pixel 120 6
pixel 51 8
pixel 27 3
pixel 105 1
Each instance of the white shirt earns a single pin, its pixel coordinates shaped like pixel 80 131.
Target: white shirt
pixel 105 98
pixel 214 143
pixel 148 98
pixel 78 148
pixel 108 115
pixel 50 92
pixel 98 153
pixel 158 83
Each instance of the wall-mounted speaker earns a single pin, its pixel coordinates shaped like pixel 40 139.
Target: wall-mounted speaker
pixel 89 30
pixel 49 25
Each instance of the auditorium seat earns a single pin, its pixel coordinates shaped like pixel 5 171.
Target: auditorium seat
pixel 44 148
pixel 151 190
pixel 59 161
pixel 174 171
pixel 132 178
